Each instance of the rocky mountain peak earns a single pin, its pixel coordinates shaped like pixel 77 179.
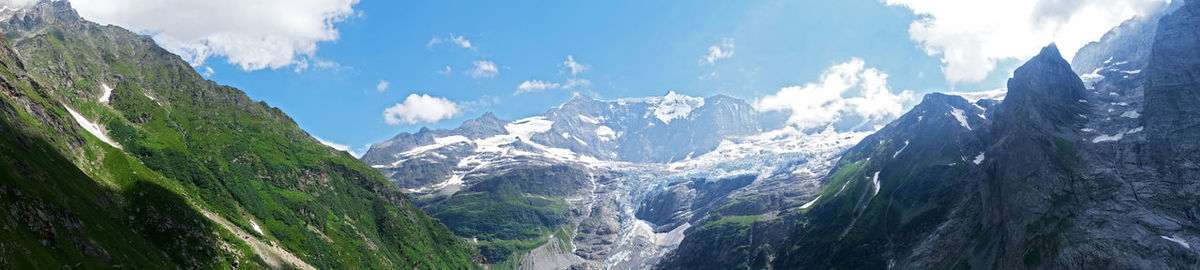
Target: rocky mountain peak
pixel 1045 91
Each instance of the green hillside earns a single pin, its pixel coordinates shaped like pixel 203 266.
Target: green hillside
pixel 188 147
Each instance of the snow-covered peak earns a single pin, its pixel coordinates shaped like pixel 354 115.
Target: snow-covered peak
pixel 672 106
pixel 525 128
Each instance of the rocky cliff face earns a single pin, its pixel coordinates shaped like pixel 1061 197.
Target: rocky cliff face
pixel 1063 174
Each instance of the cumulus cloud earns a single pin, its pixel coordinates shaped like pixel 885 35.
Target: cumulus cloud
pixel 845 90
pixel 718 52
pixel 420 108
pixel 971 36
pixel 534 86
pixel 483 69
pixel 574 67
pixel 445 70
pixel 382 86
pixel 459 41
pixel 265 34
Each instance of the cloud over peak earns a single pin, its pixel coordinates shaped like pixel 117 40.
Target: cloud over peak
pixel 845 90
pixel 420 109
pixel 267 34
pixel 972 36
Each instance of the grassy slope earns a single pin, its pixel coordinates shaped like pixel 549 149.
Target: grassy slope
pixel 510 213
pixel 56 215
pixel 242 159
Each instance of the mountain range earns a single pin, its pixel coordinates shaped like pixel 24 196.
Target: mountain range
pixel 117 154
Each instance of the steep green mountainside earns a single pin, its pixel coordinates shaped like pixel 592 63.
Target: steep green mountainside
pixel 207 150
pixel 57 215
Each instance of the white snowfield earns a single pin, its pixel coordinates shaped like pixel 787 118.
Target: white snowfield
pixel 92 128
pixel 961 116
pixel 1183 243
pixel 996 94
pixel 107 93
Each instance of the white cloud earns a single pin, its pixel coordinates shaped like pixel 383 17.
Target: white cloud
pixel 971 36
pixel 16 4
pixel 539 85
pixel 460 41
pixel 445 71
pixel 718 52
pixel 335 146
pixel 846 89
pixel 534 86
pixel 342 147
pixel 264 34
pixel 420 108
pixel 484 69
pixel 382 85
pixel 208 72
pixel 574 67
pixel 576 83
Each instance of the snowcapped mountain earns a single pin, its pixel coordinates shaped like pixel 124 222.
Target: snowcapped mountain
pixel 583 131
pixel 636 173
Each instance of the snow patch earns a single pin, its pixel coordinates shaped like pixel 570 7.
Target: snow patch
pixel 587 119
pixel 875 181
pixel 1091 78
pixel 605 133
pixel 1135 130
pixel 92 128
pixel 962 118
pixel 1132 71
pixel 1109 138
pixel 107 93
pixel 979 158
pixel 810 203
pixel 1177 240
pixel 901 149
pixel 255 226
pixel 1131 114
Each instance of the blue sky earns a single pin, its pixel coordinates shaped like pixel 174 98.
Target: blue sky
pixel 627 49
